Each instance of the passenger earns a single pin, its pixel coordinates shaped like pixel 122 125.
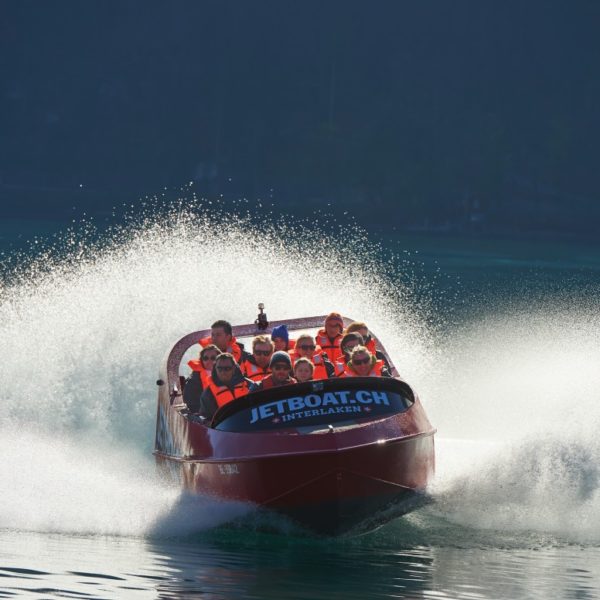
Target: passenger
pixel 369 342
pixel 221 334
pixel 256 367
pixel 281 339
pixel 303 370
pixel 364 364
pixel 226 384
pixel 306 348
pixel 281 367
pixel 330 336
pixel 363 330
pixel 197 382
pixel 348 343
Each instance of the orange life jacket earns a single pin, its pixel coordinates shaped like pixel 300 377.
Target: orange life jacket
pixel 267 382
pixel 374 372
pixel 254 372
pixel 223 394
pixel 340 366
pixel 331 348
pixel 320 371
pixel 370 345
pixel 196 365
pixel 233 347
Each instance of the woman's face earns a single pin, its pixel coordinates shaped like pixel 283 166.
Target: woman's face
pixel 303 372
pixel 279 343
pixel 208 360
pixel 306 347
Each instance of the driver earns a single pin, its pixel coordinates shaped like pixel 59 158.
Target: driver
pixel 221 335
pixel 226 384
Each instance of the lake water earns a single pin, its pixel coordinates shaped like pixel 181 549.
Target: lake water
pixel 501 340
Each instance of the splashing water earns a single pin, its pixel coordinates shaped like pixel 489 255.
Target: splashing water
pixel 85 325
pixel 84 331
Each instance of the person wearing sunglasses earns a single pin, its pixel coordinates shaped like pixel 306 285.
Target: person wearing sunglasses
pixel 197 382
pixel 363 364
pixel 348 343
pixel 256 367
pixel 306 348
pixel 281 369
pixel 361 328
pixel 226 383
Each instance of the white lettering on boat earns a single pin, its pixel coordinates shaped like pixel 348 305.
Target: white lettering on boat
pixel 229 469
pixel 327 404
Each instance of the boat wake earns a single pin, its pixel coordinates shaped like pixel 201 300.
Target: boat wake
pixel 85 325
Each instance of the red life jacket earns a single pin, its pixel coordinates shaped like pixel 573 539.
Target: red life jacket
pixel 233 347
pixel 340 366
pixel 223 394
pixel 331 348
pixel 374 372
pixel 254 372
pixel 267 382
pixel 320 371
pixel 196 365
pixel 370 345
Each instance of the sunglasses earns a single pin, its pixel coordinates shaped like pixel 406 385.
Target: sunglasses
pixel 280 368
pixel 307 347
pixel 262 352
pixel 210 357
pixel 224 369
pixel 360 361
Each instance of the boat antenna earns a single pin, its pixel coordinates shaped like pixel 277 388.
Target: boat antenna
pixel 261 321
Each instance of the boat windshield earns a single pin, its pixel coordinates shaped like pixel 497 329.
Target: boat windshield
pixel 316 405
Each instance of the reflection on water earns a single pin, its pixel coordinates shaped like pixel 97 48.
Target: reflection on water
pixel 235 564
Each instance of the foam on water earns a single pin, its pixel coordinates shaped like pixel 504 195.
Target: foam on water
pixel 523 387
pixel 83 331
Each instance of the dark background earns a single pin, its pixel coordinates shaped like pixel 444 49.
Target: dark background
pixel 443 115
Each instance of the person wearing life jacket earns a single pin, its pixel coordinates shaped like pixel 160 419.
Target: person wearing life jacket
pixel 348 343
pixel 330 336
pixel 363 364
pixel 281 368
pixel 256 368
pixel 221 335
pixel 369 342
pixel 226 383
pixel 303 370
pixel 281 339
pixel 197 382
pixel 306 348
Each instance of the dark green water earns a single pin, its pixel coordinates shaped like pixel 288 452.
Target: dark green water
pixel 508 373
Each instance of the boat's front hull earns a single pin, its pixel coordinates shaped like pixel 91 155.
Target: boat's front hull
pixel 328 492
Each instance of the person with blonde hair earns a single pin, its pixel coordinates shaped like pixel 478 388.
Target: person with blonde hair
pixel 306 348
pixel 361 328
pixel 364 364
pixel 303 370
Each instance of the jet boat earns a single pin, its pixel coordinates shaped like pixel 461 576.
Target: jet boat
pixel 336 456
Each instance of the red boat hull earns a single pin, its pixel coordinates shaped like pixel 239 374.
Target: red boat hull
pixel 329 493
